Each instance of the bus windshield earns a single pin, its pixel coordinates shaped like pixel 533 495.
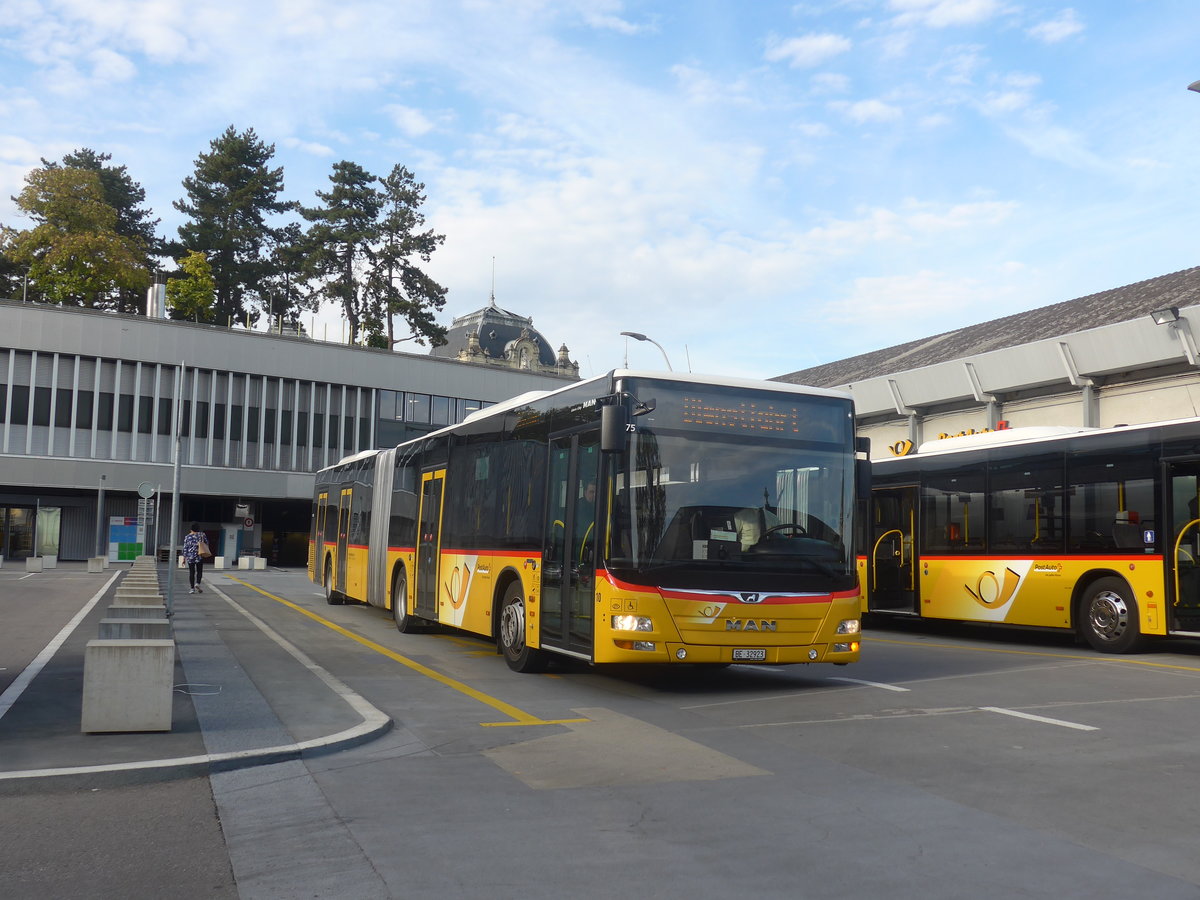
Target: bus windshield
pixel 702 505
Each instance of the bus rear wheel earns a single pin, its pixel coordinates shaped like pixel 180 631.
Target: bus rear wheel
pixel 1109 617
pixel 332 597
pixel 518 654
pixel 405 623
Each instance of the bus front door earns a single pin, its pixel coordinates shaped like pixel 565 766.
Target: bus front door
pixel 569 550
pixel 429 529
pixel 892 573
pixel 1182 551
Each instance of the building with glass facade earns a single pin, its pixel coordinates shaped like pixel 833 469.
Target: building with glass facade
pixel 93 406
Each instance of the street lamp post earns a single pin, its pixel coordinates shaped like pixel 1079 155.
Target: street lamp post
pixel 641 337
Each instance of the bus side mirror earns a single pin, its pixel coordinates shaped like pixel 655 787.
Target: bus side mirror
pixel 613 427
pixel 862 468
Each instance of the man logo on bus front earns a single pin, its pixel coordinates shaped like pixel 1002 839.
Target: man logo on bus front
pixel 752 598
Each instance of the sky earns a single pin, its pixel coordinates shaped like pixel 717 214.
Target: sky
pixel 759 186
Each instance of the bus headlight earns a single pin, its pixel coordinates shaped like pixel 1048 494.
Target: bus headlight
pixel 849 626
pixel 851 647
pixel 632 623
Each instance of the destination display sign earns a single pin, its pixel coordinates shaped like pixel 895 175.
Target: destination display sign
pixel 738 411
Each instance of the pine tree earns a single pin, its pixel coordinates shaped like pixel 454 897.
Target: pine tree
pixel 229 198
pixel 396 285
pixel 341 242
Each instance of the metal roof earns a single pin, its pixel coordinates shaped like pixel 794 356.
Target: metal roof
pixel 1178 289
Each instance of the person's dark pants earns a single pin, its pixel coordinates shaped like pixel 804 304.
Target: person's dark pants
pixel 195 572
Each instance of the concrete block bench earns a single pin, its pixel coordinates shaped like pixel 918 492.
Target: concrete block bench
pixel 127 685
pixel 134 629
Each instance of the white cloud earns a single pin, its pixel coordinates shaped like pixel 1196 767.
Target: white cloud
pixel 806 51
pixel 865 111
pixel 413 122
pixel 310 147
pixel 933 301
pixel 830 83
pixel 1057 29
pixel 945 13
pixel 110 66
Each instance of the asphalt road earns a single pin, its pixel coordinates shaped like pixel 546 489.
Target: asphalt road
pixel 948 763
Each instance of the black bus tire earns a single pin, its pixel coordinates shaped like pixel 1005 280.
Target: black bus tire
pixel 1108 617
pixel 332 597
pixel 519 655
pixel 405 623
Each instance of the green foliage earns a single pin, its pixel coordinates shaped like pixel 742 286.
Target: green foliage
pixel 341 239
pixel 192 297
pixel 74 254
pixel 229 197
pixel 364 244
pixel 396 285
pixel 125 196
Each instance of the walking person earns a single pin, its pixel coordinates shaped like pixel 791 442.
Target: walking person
pixel 195 550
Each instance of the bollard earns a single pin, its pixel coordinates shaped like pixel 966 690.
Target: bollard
pixel 134 629
pixel 127 685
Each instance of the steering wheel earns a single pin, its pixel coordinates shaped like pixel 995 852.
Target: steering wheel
pixel 793 526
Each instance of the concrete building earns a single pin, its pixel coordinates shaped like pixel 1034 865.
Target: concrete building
pixel 1124 356
pixel 88 404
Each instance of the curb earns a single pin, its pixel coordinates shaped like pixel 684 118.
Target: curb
pixel 375 723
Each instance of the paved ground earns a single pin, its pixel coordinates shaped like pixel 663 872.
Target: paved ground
pixel 137 815
pixel 346 760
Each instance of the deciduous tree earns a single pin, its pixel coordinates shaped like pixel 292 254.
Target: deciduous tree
pixel 192 296
pixel 125 196
pixel 74 253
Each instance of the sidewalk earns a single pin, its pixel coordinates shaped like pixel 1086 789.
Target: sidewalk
pixel 243 695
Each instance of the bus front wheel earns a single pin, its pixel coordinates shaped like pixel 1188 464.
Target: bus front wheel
pixel 518 654
pixel 332 597
pixel 405 623
pixel 1109 617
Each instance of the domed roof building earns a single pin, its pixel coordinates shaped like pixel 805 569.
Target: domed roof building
pixel 496 337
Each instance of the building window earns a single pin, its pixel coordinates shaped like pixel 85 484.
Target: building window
pixel 441 411
pixel 62 408
pixel 41 406
pixel 418 408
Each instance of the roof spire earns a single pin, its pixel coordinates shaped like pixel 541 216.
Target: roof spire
pixel 492 298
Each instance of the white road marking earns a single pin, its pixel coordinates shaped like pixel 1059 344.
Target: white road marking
pixel 30 672
pixel 886 687
pixel 1044 719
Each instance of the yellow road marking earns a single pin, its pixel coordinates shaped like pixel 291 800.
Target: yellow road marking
pixel 1106 659
pixel 520 717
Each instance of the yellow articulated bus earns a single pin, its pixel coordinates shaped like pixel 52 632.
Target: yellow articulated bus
pixel 630 518
pixel 1091 530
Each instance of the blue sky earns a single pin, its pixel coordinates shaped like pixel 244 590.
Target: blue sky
pixel 759 186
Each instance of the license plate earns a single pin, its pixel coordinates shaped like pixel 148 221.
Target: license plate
pixel 755 654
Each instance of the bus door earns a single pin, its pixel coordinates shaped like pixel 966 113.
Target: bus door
pixel 569 550
pixel 892 569
pixel 429 529
pixel 343 537
pixel 1181 550
pixel 317 551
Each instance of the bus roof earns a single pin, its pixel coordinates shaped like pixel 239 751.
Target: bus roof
pixel 1034 434
pixel 608 378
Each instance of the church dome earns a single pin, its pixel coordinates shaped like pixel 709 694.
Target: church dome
pixel 497 336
